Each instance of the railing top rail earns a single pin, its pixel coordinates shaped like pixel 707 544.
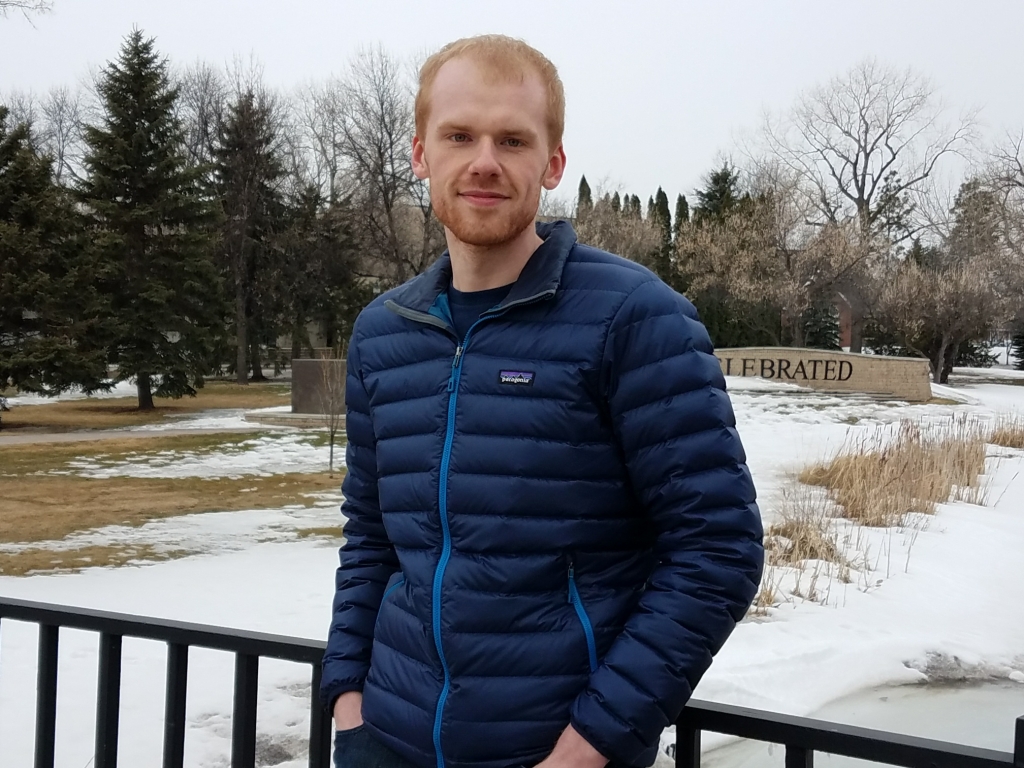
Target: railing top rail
pixel 837 738
pixel 197 635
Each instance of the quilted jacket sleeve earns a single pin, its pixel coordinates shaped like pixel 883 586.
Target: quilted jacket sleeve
pixel 677 432
pixel 367 557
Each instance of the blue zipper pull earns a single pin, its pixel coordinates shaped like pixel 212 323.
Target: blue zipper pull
pixel 572 581
pixel 455 364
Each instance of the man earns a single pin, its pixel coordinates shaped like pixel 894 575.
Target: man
pixel 551 528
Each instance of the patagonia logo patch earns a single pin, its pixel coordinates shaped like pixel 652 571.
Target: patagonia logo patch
pixel 524 378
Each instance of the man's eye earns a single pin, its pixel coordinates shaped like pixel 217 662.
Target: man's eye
pixel 514 142
pixel 460 137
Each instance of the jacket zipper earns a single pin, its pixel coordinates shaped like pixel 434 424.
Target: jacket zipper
pixel 446 550
pixel 588 628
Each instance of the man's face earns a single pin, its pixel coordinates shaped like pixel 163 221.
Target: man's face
pixel 485 149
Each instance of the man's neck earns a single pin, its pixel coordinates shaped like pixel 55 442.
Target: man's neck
pixel 480 268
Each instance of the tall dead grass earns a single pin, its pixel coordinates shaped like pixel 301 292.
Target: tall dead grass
pixel 1008 431
pixel 878 478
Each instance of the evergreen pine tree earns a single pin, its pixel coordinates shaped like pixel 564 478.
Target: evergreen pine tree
pixel 821 327
pixel 660 216
pixel 247 174
pixel 153 229
pixel 50 334
pixel 617 203
pixel 650 207
pixel 1017 347
pixel 584 199
pixel 720 195
pixel 682 217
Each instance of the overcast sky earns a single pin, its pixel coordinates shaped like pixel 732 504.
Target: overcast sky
pixel 656 90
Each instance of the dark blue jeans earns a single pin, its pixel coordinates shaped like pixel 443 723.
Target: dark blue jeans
pixel 356 748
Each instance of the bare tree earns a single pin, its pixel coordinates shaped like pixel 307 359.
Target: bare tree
pixel 24 107
pixel 61 132
pixel 764 252
pixel 1006 179
pixel 332 400
pixel 203 94
pixel 394 206
pixel 25 7
pixel 319 114
pixel 611 230
pixel 864 145
pixel 944 307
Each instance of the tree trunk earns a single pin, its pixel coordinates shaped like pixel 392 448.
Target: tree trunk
pixel 240 328
pixel 145 387
pixel 798 331
pixel 856 330
pixel 255 361
pixel 938 362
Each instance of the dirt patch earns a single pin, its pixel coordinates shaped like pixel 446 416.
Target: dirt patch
pixel 325 531
pixel 113 413
pixel 42 560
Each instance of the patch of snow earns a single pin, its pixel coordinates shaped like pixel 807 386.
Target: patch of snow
pixel 265 456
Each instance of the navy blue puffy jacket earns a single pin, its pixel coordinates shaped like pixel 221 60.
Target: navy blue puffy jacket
pixel 549 521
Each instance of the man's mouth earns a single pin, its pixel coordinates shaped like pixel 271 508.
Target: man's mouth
pixel 482 196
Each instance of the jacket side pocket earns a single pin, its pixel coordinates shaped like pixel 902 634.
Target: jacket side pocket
pixel 581 611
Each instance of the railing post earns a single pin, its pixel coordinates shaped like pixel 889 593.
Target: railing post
pixel 687 741
pixel 1018 744
pixel 174 708
pixel 46 696
pixel 319 725
pixel 799 757
pixel 243 716
pixel 108 700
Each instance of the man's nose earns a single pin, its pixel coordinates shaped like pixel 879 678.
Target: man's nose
pixel 485 162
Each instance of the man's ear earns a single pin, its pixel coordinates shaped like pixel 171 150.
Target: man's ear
pixel 554 170
pixel 419 161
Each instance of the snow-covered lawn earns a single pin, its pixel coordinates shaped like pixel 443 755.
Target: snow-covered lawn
pixel 943 598
pixel 284 452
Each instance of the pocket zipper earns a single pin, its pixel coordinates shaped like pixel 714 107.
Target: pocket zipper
pixel 588 629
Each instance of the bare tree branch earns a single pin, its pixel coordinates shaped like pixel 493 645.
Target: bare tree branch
pixel 25 7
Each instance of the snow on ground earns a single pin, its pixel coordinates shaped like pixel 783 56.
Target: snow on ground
pixel 267 455
pixel 220 418
pixel 941 599
pixel 120 389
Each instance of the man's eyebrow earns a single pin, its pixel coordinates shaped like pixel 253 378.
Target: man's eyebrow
pixel 515 132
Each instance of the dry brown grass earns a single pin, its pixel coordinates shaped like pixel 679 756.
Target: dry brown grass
pixel 878 479
pixel 49 507
pixel 113 413
pixel 28 458
pixel 804 530
pixel 1008 431
pixel 43 501
pixel 42 560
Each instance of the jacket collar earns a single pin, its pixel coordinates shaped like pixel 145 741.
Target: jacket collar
pixel 541 276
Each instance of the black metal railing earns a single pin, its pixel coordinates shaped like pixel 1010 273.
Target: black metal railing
pixel 248 648
pixel 801 737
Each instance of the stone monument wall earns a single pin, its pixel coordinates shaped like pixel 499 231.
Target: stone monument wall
pixel 905 378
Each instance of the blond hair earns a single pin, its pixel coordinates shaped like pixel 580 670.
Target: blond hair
pixel 502 57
